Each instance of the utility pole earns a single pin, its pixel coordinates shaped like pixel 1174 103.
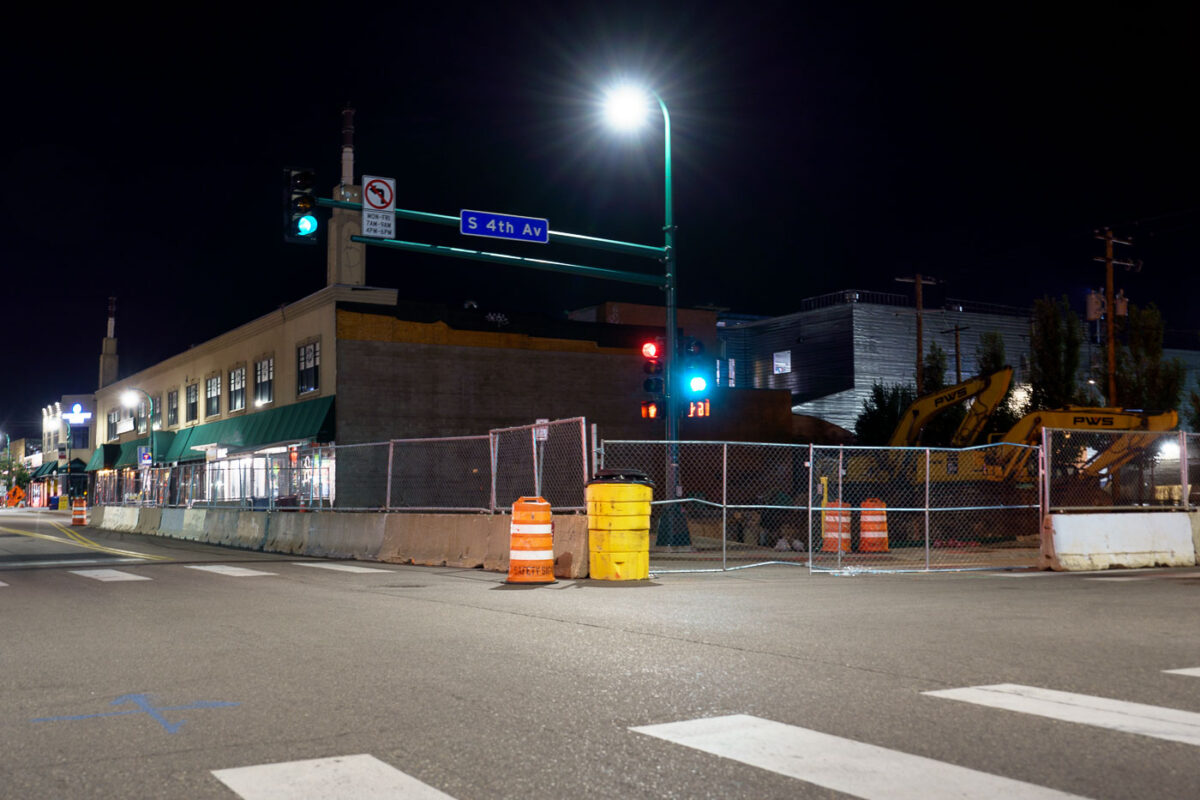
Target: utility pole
pixel 919 282
pixel 1110 308
pixel 957 350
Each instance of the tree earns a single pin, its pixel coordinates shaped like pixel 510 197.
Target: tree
pixel 1144 378
pixel 881 413
pixel 1054 344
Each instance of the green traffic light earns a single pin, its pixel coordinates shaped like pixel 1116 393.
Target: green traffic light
pixel 306 225
pixel 697 383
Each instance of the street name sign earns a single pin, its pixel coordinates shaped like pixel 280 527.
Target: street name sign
pixel 379 207
pixel 503 226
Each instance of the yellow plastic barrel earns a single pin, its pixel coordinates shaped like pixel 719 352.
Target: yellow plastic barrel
pixel 618 505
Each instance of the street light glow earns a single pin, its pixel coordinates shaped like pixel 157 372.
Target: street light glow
pixel 129 398
pixel 625 107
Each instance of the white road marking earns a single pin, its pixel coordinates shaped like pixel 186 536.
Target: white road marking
pixel 234 572
pixel 338 567
pixel 842 765
pixel 360 777
pixel 108 575
pixel 1117 580
pixel 1193 671
pixel 2 583
pixel 1145 720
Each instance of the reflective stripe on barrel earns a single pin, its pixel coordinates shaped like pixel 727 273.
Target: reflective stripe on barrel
pixel 531 542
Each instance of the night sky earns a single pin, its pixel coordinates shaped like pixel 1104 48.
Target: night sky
pixel 816 148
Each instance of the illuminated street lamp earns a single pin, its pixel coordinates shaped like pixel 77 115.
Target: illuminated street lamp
pixel 129 399
pixel 625 107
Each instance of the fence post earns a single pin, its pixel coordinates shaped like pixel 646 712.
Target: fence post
pixel 810 510
pixel 1044 464
pixel 584 451
pixel 725 505
pixel 841 451
pixel 492 448
pixel 387 501
pixel 1183 470
pixel 927 509
pixel 597 453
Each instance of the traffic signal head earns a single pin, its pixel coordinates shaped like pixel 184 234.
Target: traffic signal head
pixel 696 373
pixel 653 367
pixel 300 206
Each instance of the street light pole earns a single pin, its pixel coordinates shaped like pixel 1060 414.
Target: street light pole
pixel 130 401
pixel 670 278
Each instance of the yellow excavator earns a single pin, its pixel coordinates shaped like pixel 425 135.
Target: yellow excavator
pixel 1028 431
pixel 988 392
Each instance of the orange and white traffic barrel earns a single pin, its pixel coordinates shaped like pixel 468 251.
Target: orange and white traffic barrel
pixel 872 532
pixel 531 542
pixel 79 512
pixel 835 527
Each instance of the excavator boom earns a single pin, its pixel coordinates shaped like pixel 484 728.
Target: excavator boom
pixel 988 391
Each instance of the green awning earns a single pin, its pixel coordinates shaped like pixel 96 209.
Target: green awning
pixel 105 457
pixel 43 470
pixel 162 444
pixel 297 422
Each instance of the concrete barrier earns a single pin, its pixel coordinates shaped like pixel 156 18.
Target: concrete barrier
pixel 252 530
pixel 457 540
pixel 221 526
pixel 1195 519
pixel 121 518
pixel 95 517
pixel 193 524
pixel 477 541
pixel 148 520
pixel 171 522
pixel 1102 541
pixel 288 532
pixel 346 535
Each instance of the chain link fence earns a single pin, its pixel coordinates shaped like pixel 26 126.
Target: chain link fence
pixel 836 507
pixel 1102 470
pixel 483 474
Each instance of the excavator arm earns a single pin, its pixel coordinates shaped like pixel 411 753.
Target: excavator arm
pixel 988 391
pixel 1028 431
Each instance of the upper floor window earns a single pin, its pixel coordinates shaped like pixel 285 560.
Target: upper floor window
pixel 172 408
pixel 782 362
pixel 237 388
pixel 308 367
pixel 114 417
pixel 193 402
pixel 212 396
pixel 264 381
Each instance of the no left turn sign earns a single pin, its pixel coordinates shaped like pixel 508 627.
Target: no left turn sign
pixel 379 207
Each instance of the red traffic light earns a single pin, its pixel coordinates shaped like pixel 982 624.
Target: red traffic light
pixel 650 350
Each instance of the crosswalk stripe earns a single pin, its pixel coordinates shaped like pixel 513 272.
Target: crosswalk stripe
pixel 338 567
pixel 843 765
pixel 1146 720
pixel 222 569
pixel 360 777
pixel 1193 671
pixel 108 575
pixel 2 583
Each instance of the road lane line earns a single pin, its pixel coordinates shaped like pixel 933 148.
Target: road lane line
pixel 1145 720
pixel 108 575
pixel 843 765
pixel 2 583
pixel 339 567
pixel 86 542
pixel 1193 671
pixel 233 572
pixel 360 777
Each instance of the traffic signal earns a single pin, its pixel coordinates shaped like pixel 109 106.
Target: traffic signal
pixel 696 372
pixel 300 221
pixel 652 352
pixel 649 409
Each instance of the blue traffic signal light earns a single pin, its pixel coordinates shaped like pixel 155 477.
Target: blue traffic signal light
pixel 300 222
pixel 696 370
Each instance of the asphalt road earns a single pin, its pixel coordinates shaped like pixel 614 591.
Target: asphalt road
pixel 165 680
